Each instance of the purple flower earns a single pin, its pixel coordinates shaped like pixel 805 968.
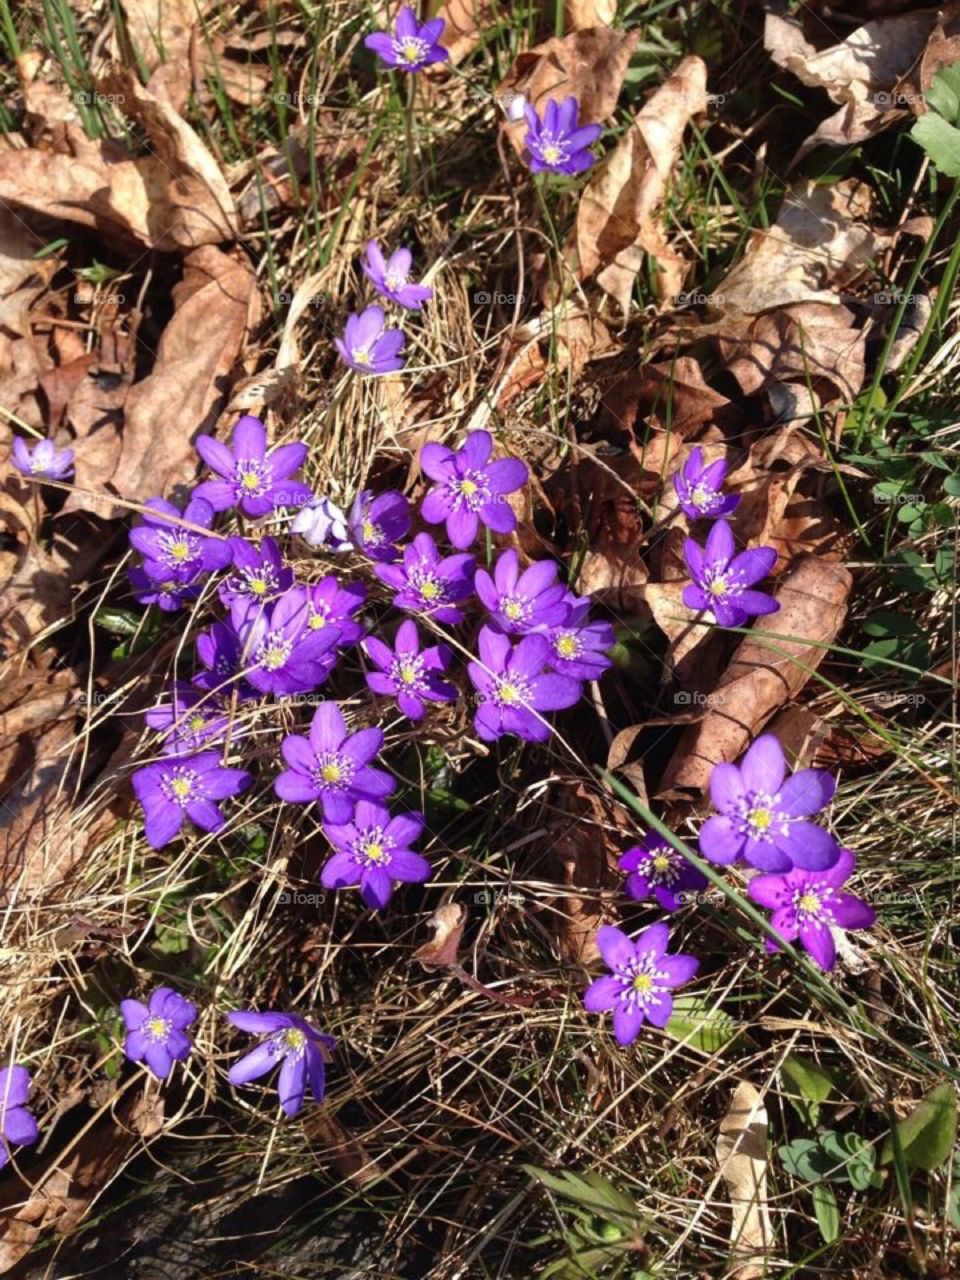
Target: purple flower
pixel 408 674
pixel 522 602
pixel 255 479
pixel 514 689
pixel 191 719
pixel 412 46
pixel 291 1041
pixel 427 583
pixel 156 1031
pixel 44 460
pixel 807 904
pixel 378 523
pixel 18 1128
pixel 168 594
pixel 221 652
pixel 367 347
pixel 658 871
pixel 182 787
pixel 698 487
pixel 721 578
pixel 333 605
pixel 259 574
pixel 282 653
pixel 391 277
pixel 173 552
pixel 332 766
pixel 373 850
pixel 556 145
pixel 762 815
pixel 643 975
pixel 578 647
pixel 321 523
pixel 470 488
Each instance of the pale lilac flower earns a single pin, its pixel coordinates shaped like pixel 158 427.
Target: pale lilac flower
pixel 640 987
pixel 763 813
pixel 251 476
pixel 470 489
pixel 657 870
pixel 44 461
pixel 182 787
pixel 408 673
pixel 191 720
pixel 156 1031
pixel 321 523
pixel 806 905
pixel 513 688
pixel 367 346
pixel 283 654
pixel 699 488
pixel 378 522
pixel 391 277
pixel 373 851
pixel 333 605
pixel 412 45
pixel 428 583
pixel 332 765
pixel 722 579
pixel 579 646
pixel 556 145
pixel 522 602
pixel 258 576
pixel 291 1041
pixel 173 552
pixel 18 1127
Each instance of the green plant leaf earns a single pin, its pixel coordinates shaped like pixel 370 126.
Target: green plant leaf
pixel 813 1082
pixel 943 96
pixel 926 1136
pixel 805 1159
pixel 825 1207
pixel 703 1028
pixel 941 141
pixel 854 1154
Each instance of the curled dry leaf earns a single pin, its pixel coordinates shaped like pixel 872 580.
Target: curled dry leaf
pixel 465 22
pixel 580 15
pixel 763 676
pixel 671 395
pixel 582 839
pixel 448 923
pixel 742 1161
pixel 617 220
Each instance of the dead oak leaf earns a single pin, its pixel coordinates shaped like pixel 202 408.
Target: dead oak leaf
pixel 742 1161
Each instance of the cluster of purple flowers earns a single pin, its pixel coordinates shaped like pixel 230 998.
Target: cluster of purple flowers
pixel 368 346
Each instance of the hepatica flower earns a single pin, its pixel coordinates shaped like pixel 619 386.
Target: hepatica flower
pixel 156 1031
pixel 806 905
pixel 470 489
pixel 321 523
pixel 657 870
pixel 252 477
pixel 18 1128
pixel 555 144
pixel 699 488
pixel 221 653
pixel 182 787
pixel 412 45
pixel 378 522
pixel 290 1041
pixel 168 594
pixel 367 346
pixel 44 461
pixel 763 813
pixel 332 765
pixel 282 653
pixel 522 602
pixel 391 277
pixel 408 673
pixel 333 605
pixel 258 573
pixel 191 719
pixel 578 646
pixel 373 851
pixel 428 583
pixel 722 580
pixel 515 690
pixel 639 988
pixel 173 552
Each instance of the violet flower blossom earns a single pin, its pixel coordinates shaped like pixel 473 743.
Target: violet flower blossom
pixel 408 673
pixel 220 651
pixel 412 45
pixel 321 523
pixel 514 689
pixel 44 460
pixel 470 489
pixel 173 552
pixel 156 1031
pixel 699 488
pixel 556 145
pixel 168 594
pixel 372 851
pixel 722 579
pixel 191 720
pixel 282 653
pixel 378 522
pixel 18 1126
pixel 292 1042
pixel 640 987
pixel 806 905
pixel 657 870
pixel 331 604
pixel 522 602
pixel 763 813
pixel 182 787
pixel 367 346
pixel 332 765
pixel 428 583
pixel 251 476
pixel 578 646
pixel 391 277
pixel 259 574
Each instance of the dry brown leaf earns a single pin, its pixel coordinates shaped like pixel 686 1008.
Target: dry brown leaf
pixel 579 15
pixel 763 677
pixel 589 65
pixel 464 23
pixel 559 341
pixel 617 219
pixel 22 278
pixel 216 303
pixel 742 1161
pixel 95 412
pixel 448 923
pixel 159 31
pixel 581 839
pixel 671 395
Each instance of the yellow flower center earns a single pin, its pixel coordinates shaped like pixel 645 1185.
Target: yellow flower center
pixel 809 904
pixel 168 587
pixel 294 1039
pixel 468 487
pixel 331 772
pixel 181 787
pixel 274 657
pixel 258 587
pixel 408 673
pixel 196 723
pixel 157 1028
pixel 361 355
pixel 760 819
pixel 375 851
pixel 567 646
pixel 180 550
pixel 509 692
pixel 719 586
pixel 551 153
pixel 370 531
pixel 429 589
pixel 250 480
pixel 513 610
pixel 661 862
pixel 643 982
pixel 317 620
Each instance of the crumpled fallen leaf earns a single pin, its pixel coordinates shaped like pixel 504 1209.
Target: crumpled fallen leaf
pixel 22 276
pixel 580 15
pixel 617 219
pixel 448 923
pixel 582 839
pixel 216 303
pixel 671 395
pixel 742 1159
pixel 465 21
pixel 559 341
pixel 762 677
